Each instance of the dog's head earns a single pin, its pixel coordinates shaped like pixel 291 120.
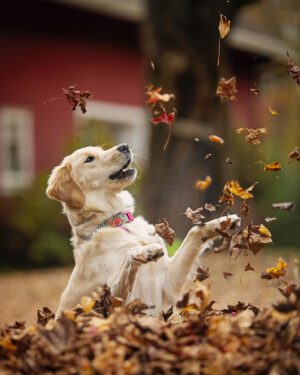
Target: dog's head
pixel 89 169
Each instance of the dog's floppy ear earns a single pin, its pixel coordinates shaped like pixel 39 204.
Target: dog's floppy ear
pixel 63 188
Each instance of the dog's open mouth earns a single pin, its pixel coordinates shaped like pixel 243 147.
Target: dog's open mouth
pixel 123 172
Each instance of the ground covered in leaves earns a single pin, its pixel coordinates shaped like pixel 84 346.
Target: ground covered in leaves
pixel 103 336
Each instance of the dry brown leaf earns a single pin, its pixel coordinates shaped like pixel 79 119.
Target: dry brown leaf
pixel 250 238
pixel 288 290
pixel 275 166
pixel 248 267
pixel 245 209
pixel 227 90
pixel 295 154
pixel 293 70
pixel 254 91
pixel 229 161
pixel 163 229
pixel 77 97
pixel 184 301
pixel 233 188
pixel 194 215
pixel 253 134
pixel 224 26
pixel 285 206
pixel 210 207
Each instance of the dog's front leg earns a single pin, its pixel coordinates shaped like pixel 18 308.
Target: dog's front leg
pixel 123 283
pixel 78 286
pixel 194 245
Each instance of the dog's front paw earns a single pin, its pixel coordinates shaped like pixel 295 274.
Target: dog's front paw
pixel 149 254
pixel 225 223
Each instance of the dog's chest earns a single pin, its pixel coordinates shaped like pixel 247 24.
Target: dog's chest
pixel 106 253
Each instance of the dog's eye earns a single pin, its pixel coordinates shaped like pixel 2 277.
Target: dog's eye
pixel 89 159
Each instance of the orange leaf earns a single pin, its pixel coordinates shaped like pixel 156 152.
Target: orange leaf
pixel 275 166
pixel 203 184
pixel 216 139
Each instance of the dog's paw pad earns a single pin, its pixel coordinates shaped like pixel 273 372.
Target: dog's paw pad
pixel 153 255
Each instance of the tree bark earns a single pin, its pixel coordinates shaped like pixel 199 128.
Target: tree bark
pixel 181 38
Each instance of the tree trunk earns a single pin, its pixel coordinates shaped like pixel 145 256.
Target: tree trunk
pixel 181 38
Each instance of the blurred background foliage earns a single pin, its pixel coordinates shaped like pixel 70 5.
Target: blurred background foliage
pixel 36 233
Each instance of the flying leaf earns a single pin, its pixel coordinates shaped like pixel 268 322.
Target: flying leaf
pixel 229 161
pixel 184 301
pixel 265 231
pixel 216 139
pixel 207 156
pixel 295 154
pixel 77 97
pixel 293 70
pixel 253 134
pixel 226 89
pixel 163 230
pixel 285 206
pixel 202 185
pixel 250 238
pixel 155 95
pixel 245 208
pixel 165 119
pixel 194 215
pixel 233 188
pixel 248 267
pixel 286 292
pixel 224 26
pixel 209 207
pixel 270 219
pixel 166 315
pixel 273 113
pixel 277 271
pixel 275 166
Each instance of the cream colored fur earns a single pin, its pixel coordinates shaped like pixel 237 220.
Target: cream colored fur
pixel 134 262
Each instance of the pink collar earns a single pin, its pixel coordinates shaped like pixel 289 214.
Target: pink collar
pixel 117 220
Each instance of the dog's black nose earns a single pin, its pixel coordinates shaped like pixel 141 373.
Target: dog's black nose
pixel 123 148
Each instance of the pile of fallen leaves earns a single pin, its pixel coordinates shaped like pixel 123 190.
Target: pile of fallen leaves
pixel 105 337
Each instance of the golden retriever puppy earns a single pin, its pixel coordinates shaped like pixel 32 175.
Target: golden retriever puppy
pixel 113 248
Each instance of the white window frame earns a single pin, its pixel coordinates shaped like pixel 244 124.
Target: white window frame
pixel 136 128
pixel 23 121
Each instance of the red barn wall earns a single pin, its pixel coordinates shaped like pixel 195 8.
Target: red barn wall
pixel 34 69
